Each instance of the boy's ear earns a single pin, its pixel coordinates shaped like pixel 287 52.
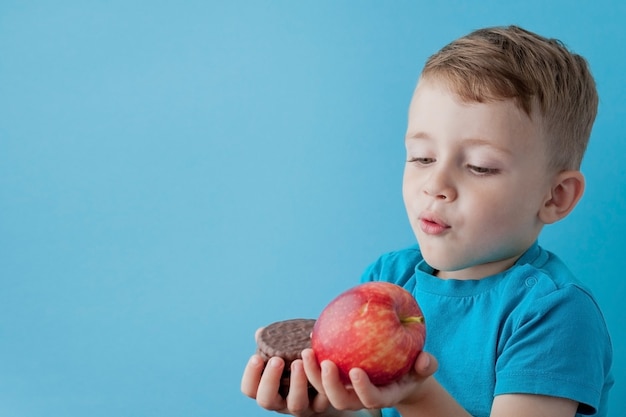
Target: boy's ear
pixel 566 191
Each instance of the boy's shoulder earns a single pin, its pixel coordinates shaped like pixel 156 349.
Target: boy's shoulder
pixel 543 283
pixel 542 268
pixel 396 266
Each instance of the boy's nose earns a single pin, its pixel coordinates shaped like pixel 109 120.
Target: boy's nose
pixel 440 185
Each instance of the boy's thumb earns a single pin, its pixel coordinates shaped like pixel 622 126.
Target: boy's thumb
pixel 426 364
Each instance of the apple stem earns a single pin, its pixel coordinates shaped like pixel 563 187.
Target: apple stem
pixel 412 319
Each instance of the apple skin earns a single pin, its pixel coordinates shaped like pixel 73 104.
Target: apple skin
pixel 377 326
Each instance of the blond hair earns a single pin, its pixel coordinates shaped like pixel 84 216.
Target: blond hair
pixel 503 63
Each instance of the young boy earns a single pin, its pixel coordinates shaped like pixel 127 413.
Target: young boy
pixel 497 129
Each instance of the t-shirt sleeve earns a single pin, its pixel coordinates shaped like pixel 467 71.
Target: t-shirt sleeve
pixel 372 272
pixel 396 267
pixel 559 346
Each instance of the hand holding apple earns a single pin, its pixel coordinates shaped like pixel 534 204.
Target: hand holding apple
pixel 376 326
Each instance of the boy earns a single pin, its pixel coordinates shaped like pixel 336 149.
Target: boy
pixel 497 129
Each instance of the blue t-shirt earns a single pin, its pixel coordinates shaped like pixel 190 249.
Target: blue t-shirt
pixel 531 329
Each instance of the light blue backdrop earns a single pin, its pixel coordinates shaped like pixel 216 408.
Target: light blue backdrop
pixel 174 175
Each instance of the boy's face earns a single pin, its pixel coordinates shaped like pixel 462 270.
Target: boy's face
pixel 475 178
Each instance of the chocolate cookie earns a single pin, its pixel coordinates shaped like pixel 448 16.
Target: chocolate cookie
pixel 286 339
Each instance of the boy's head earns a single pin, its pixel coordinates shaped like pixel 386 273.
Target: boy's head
pixel 497 128
pixel 540 75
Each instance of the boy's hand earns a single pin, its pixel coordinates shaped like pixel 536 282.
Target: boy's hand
pixel 362 393
pixel 261 382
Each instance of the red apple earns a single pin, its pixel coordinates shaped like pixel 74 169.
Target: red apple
pixel 376 326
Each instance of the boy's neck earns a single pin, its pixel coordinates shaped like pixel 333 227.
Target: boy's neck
pixel 479 271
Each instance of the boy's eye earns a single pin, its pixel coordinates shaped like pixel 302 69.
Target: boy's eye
pixel 422 161
pixel 482 170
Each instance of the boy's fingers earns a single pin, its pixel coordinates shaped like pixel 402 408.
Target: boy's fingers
pixel 267 393
pixel 331 390
pixel 312 369
pixel 327 383
pixel 320 403
pixel 257 333
pixel 368 394
pixel 340 396
pixel 298 397
pixel 252 376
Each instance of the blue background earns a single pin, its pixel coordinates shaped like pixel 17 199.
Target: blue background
pixel 174 175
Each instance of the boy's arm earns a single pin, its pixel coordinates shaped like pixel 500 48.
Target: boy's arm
pixel 436 401
pixel 526 405
pixel 421 395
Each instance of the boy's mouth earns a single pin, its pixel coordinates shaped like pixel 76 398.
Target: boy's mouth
pixel 432 225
